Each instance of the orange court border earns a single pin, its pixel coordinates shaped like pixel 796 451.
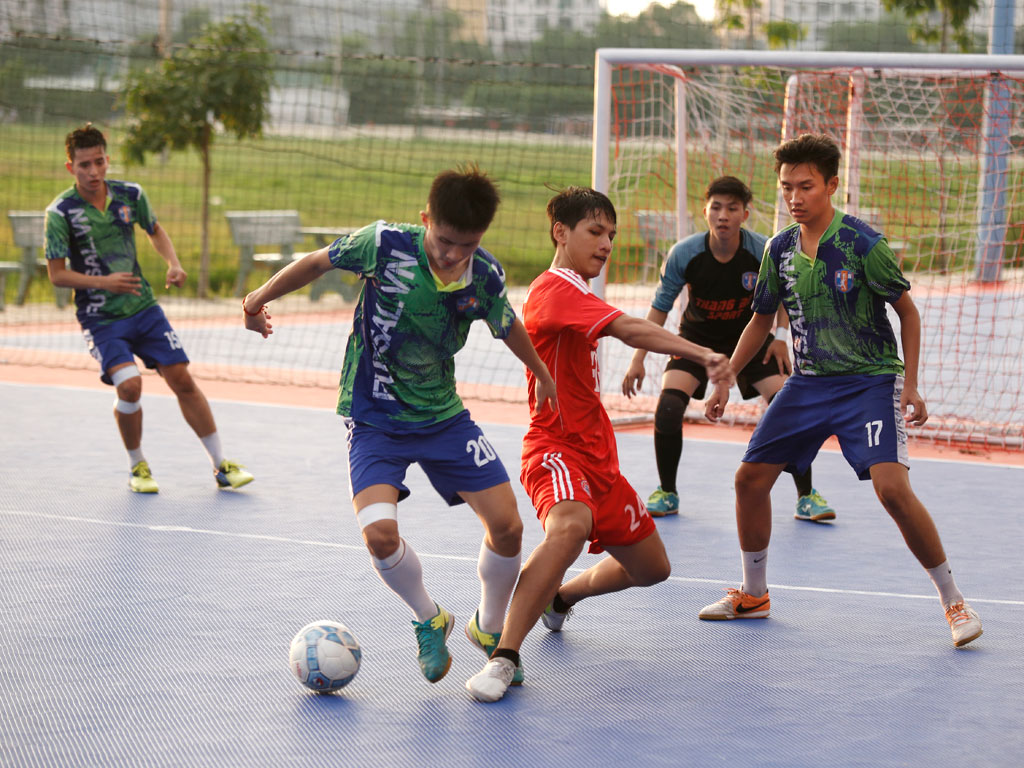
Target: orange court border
pixel 483 411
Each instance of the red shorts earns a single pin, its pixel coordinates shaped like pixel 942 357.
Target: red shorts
pixel 620 515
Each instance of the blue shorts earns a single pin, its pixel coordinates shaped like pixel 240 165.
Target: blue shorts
pixel 146 334
pixel 453 453
pixel 862 411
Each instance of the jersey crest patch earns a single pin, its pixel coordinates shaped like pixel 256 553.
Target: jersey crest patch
pixel 844 280
pixel 124 213
pixel 749 280
pixel 466 303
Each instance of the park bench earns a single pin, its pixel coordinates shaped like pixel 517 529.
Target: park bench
pixel 658 231
pixel 283 229
pixel 28 229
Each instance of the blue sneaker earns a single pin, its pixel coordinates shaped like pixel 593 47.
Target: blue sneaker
pixel 487 642
pixel 813 507
pixel 661 503
pixel 431 635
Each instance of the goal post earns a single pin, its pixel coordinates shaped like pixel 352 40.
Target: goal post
pixel 933 157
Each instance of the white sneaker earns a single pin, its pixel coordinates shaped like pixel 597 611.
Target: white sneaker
pixel 491 682
pixel 554 620
pixel 964 622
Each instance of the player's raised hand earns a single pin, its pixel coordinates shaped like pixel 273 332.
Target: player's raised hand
pixel 912 406
pixel 123 282
pixel 714 406
pixel 719 370
pixel 544 394
pixel 176 276
pixel 779 349
pixel 258 322
pixel 634 378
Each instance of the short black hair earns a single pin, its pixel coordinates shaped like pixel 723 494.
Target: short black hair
pixel 83 138
pixel 463 198
pixel 817 149
pixel 731 186
pixel 573 204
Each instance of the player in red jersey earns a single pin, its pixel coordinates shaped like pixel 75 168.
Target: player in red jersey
pixel 570 462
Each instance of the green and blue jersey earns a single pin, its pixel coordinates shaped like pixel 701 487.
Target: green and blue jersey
pixel 99 242
pixel 399 369
pixel 836 302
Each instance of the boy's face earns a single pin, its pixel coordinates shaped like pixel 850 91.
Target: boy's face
pixel 89 168
pixel 588 245
pixel 806 192
pixel 448 249
pixel 725 215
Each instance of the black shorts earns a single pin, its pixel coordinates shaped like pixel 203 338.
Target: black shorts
pixel 753 372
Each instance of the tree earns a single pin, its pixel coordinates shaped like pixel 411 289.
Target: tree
pixel 221 79
pixel 953 18
pixel 890 33
pixel 738 15
pixel 782 34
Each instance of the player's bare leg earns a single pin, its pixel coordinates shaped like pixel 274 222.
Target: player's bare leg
pixel 566 529
pixel 637 565
pixel 191 400
pixel 128 424
pixel 754 483
pixel 128 415
pixel 196 410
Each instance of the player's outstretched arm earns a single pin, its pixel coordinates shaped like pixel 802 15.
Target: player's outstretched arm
pixel 635 374
pixel 911 403
pixel 161 242
pixel 296 275
pixel 518 341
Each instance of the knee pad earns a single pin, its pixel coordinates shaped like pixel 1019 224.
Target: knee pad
pixel 374 513
pixel 123 406
pixel 123 374
pixel 668 416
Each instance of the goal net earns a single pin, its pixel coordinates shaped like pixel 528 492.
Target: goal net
pixel 933 157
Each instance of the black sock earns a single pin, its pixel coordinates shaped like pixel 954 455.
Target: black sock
pixel 506 653
pixel 559 605
pixel 667 451
pixel 804 486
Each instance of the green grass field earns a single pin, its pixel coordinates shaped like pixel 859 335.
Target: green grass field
pixel 351 182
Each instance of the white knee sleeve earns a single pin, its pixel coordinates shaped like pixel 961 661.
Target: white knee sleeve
pixel 123 406
pixel 123 374
pixel 373 513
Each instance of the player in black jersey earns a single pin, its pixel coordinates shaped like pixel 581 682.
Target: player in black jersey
pixel 720 267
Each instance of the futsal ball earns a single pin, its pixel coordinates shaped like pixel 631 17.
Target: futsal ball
pixel 324 656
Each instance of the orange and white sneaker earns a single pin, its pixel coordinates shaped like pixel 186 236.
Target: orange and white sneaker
pixel 737 605
pixel 964 622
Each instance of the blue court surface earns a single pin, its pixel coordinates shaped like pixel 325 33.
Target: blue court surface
pixel 154 630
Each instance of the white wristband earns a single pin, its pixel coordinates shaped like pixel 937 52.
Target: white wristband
pixel 782 333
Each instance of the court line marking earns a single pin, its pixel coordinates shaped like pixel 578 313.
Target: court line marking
pixel 461 558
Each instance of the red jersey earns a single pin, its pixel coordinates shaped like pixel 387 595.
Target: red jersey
pixel 565 319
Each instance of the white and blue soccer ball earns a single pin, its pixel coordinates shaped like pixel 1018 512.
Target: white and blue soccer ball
pixel 325 656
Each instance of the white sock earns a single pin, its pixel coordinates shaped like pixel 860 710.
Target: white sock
pixel 755 572
pixel 498 575
pixel 135 456
pixel 212 445
pixel 403 574
pixel 942 578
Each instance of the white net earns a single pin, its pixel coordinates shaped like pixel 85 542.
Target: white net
pixel 914 147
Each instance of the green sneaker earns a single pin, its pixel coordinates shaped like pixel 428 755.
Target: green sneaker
pixel 431 635
pixel 813 507
pixel 661 503
pixel 231 475
pixel 487 642
pixel 141 479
